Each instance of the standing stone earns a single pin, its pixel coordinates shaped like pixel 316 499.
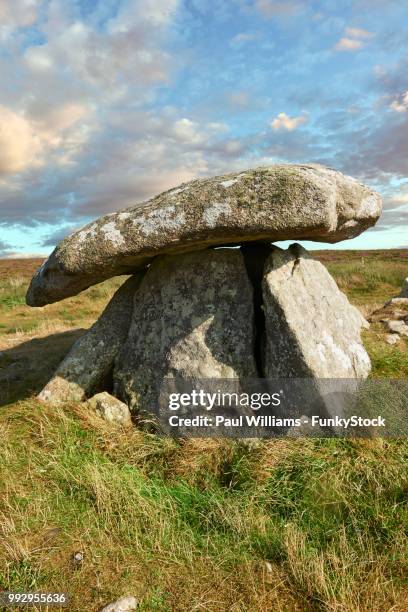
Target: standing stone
pixel 192 319
pixel 312 331
pixel 88 366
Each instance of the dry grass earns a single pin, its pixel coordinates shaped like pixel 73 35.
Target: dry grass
pixel 289 525
pixel 286 525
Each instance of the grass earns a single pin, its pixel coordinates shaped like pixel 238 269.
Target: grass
pixel 198 524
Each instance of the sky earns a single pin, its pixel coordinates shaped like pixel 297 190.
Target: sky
pixel 105 103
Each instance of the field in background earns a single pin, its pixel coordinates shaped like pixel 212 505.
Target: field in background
pixel 195 525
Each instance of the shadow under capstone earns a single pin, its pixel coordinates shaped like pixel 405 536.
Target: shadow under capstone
pixel 27 367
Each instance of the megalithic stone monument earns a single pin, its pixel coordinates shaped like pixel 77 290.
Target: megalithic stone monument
pixel 191 309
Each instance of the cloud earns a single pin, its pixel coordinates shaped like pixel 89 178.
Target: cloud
pixel 271 8
pixel 39 59
pixel 284 122
pixel 354 39
pixel 96 114
pixel 239 99
pixel 59 234
pixel 69 131
pixel 400 105
pixel 25 141
pixel 137 155
pixel 391 219
pixel 349 44
pixel 17 14
pixel 186 131
pixel 5 248
pixel 20 146
pixel 358 33
pixel 396 200
pixel 393 79
pixel 243 37
pixel 375 153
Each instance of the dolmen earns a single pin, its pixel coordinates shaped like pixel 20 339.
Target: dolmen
pixel 209 295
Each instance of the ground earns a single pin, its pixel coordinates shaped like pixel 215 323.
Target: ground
pixel 195 525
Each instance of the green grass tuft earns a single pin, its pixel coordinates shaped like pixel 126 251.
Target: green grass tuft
pixel 289 525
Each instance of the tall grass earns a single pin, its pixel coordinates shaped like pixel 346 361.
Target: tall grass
pixel 286 525
pixel 214 525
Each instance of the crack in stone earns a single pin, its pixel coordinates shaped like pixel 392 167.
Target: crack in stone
pixel 255 255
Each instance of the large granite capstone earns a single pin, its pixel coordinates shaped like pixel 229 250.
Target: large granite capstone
pixel 280 202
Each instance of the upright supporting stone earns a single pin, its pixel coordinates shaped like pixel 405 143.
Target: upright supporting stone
pixel 88 366
pixel 192 319
pixel 311 328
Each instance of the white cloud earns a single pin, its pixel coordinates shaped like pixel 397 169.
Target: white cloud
pixel 285 122
pixel 39 58
pixel 25 140
pixel 18 13
pixel 400 105
pixel 20 146
pixel 67 88
pixel 396 201
pixel 243 37
pixel 358 33
pixel 155 12
pixel 348 44
pixel 232 146
pixel 354 39
pixel 186 131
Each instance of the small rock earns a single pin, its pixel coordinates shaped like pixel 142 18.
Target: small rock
pixel 398 327
pixel 78 557
pixel 124 604
pixel 397 301
pixel 110 408
pixel 392 338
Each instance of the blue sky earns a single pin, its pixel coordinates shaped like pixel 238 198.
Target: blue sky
pixel 106 103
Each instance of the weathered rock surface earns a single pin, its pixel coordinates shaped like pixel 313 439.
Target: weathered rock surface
pixel 398 327
pixel 279 202
pixel 311 328
pixel 124 604
pixel 398 301
pixel 88 365
pixel 401 300
pixel 192 319
pixel 110 408
pixel 393 315
pixel 404 290
pixel 392 338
